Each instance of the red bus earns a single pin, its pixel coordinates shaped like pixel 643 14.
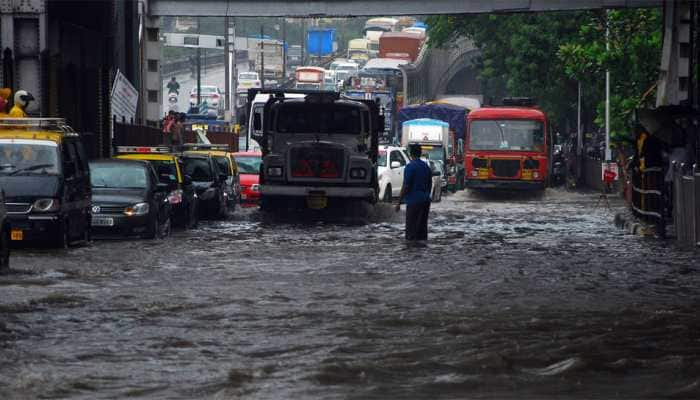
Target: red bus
pixel 507 148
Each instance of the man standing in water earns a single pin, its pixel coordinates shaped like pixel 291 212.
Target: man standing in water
pixel 417 180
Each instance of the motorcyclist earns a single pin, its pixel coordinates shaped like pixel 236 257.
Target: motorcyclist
pixel 173 86
pixel 22 100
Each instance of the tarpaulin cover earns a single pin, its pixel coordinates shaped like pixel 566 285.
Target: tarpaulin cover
pixel 453 115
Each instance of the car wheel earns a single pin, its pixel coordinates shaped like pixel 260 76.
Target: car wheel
pixel 153 229
pixel 387 194
pixel 4 251
pixel 439 196
pixel 223 208
pixel 192 217
pixel 63 240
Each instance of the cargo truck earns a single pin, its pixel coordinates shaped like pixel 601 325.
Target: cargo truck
pixel 433 136
pixel 400 45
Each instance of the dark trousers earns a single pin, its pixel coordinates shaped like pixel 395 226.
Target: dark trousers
pixel 417 221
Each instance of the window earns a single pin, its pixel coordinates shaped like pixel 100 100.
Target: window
pixel 224 165
pixel 152 34
pixel 152 65
pixel 152 96
pixel 506 135
pixel 396 156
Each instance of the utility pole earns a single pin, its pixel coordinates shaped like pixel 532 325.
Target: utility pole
pixel 199 68
pixel 262 59
pixel 234 69
pixel 608 156
pixel 284 48
pixel 227 67
pixel 579 135
pixel 303 39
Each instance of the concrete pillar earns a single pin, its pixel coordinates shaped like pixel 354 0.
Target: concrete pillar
pixel 675 54
pixel 151 96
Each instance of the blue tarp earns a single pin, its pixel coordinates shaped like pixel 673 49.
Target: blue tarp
pixel 453 115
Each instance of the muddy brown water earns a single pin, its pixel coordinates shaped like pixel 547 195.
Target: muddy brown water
pixel 511 298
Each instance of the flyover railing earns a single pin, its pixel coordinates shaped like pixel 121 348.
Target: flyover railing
pixel 686 204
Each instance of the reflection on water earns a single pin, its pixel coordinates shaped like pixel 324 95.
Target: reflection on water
pixel 538 298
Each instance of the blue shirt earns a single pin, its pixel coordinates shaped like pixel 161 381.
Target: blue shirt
pixel 417 181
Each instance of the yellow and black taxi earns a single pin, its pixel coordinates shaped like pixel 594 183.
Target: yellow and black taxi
pixel 128 199
pixel 209 182
pixel 226 162
pixel 168 166
pixel 45 176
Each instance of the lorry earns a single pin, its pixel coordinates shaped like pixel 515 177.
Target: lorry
pixel 358 51
pixel 320 42
pixel 318 152
pixel 433 136
pixel 452 158
pixel 400 45
pixel 269 62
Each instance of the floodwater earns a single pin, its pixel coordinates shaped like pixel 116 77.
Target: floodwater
pixel 536 298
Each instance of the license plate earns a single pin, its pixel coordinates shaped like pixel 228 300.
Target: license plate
pixel 317 201
pixel 102 221
pixel 16 234
pixel 527 175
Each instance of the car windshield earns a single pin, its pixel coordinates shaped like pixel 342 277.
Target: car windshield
pixel 198 169
pixel 249 164
pixel 224 164
pixel 506 135
pixel 248 76
pixel 166 170
pixel 304 118
pixel 17 157
pixel 118 175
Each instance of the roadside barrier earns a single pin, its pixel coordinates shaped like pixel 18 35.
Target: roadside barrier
pixel 686 204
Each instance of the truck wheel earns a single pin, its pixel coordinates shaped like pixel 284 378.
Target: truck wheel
pixel 387 194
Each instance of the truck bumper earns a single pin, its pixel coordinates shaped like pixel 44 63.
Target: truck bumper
pixel 492 184
pixel 328 191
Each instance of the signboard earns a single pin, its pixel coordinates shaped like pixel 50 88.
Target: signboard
pixel 609 172
pixel 124 98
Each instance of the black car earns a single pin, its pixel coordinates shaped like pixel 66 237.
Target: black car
pixel 4 236
pixel 128 199
pixel 44 174
pixel 209 182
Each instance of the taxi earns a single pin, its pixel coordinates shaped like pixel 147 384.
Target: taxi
pixel 181 191
pixel 45 176
pixel 226 163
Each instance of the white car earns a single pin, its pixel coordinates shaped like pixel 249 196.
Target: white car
pixel 390 165
pixel 211 94
pixel 438 180
pixel 248 80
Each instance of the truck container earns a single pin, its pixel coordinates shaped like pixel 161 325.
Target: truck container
pixel 320 42
pixel 400 45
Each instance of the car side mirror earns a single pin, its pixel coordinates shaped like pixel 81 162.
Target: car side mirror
pixel 187 180
pixel 395 164
pixel 162 187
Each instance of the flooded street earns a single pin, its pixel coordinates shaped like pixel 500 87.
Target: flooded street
pixel 536 298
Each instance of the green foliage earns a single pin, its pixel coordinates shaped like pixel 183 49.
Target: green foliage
pixel 546 55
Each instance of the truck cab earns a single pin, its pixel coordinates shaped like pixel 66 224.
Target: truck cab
pixel 317 151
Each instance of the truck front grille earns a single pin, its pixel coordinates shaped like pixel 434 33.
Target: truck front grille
pixel 321 161
pixel 505 168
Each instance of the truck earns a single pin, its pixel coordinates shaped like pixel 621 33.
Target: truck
pixel 358 51
pixel 318 152
pixel 270 56
pixel 320 42
pixel 452 158
pixel 433 136
pixel 400 45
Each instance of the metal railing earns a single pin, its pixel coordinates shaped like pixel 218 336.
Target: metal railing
pixel 686 204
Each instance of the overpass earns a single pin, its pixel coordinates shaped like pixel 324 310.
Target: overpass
pixel 356 8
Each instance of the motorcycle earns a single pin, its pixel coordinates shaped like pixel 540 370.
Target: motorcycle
pixel 172 100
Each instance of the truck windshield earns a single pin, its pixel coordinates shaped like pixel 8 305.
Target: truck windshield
pixel 318 118
pixel 18 158
pixel 435 153
pixel 506 135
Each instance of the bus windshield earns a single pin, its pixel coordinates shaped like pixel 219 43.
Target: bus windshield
pixel 506 135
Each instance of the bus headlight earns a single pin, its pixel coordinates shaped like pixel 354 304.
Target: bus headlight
pixel 535 174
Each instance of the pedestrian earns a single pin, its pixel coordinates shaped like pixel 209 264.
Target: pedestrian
pixel 5 94
pixel 168 123
pixel 417 182
pixel 178 129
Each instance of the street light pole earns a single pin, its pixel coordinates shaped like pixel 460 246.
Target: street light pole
pixel 608 156
pixel 262 59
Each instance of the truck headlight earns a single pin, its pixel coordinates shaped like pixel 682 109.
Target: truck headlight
pixel 274 171
pixel 46 205
pixel 137 209
pixel 358 173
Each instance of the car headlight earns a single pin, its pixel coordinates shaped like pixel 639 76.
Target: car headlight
pixel 46 205
pixel 358 173
pixel 274 171
pixel 137 209
pixel 255 188
pixel 175 197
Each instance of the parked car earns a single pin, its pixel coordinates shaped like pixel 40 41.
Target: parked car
pixel 390 166
pixel 4 235
pixel 181 192
pixel 45 176
pixel 128 199
pixel 209 182
pixel 227 164
pixel 439 181
pixel 249 169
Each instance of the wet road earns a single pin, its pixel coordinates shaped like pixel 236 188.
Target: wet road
pixel 538 298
